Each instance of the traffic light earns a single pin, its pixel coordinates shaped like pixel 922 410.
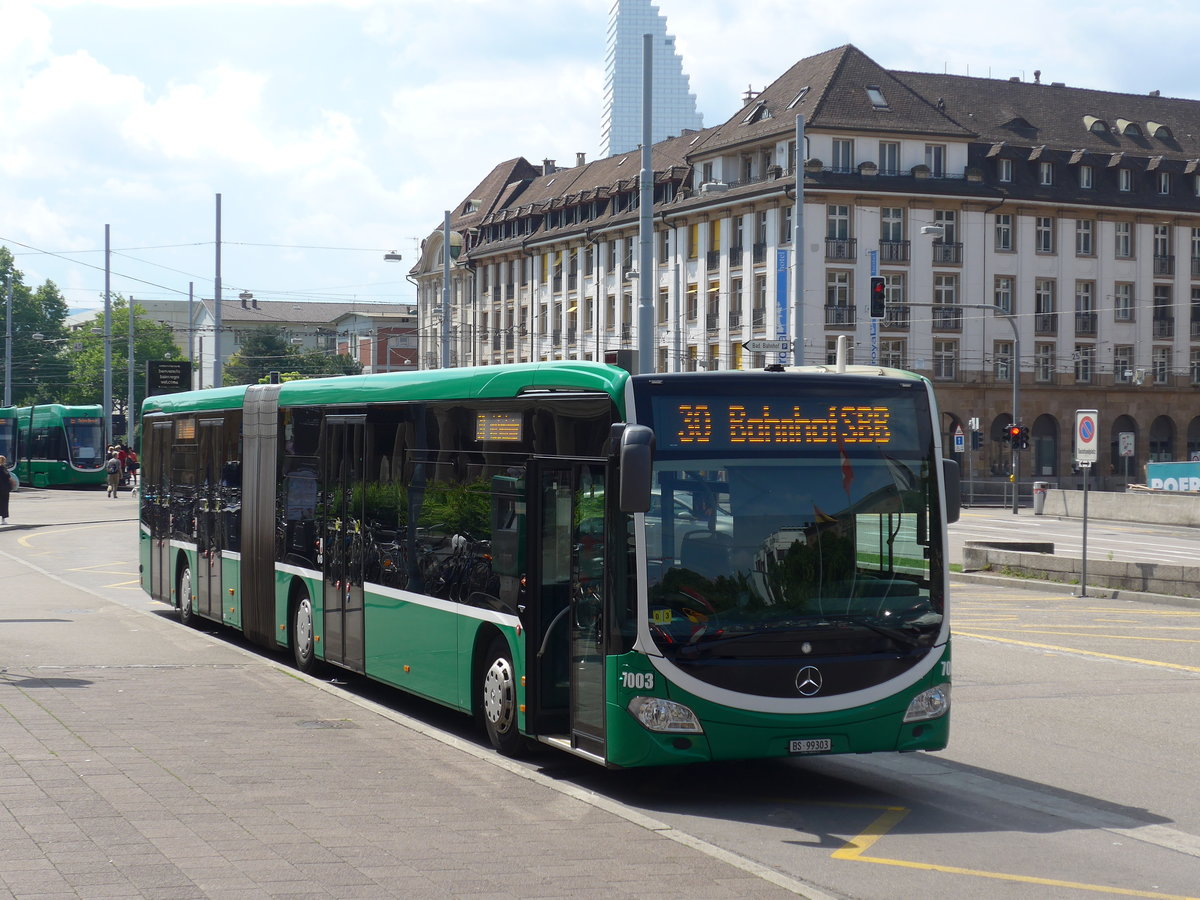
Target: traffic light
pixel 878 290
pixel 1023 438
pixel 1012 435
pixel 976 439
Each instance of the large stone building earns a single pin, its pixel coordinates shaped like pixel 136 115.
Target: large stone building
pixel 1022 228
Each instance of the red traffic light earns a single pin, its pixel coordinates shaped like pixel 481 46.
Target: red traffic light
pixel 1014 432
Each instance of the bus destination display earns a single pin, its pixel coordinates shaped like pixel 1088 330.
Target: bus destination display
pixel 499 426
pixel 750 424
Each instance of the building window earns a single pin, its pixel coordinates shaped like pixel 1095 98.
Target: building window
pixel 837 288
pixel 1002 353
pixel 1160 364
pixel 1085 233
pixel 1043 363
pixel 893 352
pixel 945 360
pixel 1123 364
pixel 831 352
pixel 891 224
pixel 935 159
pixel 1004 170
pixel 735 302
pixel 1045 314
pixel 1123 301
pixel 945 289
pixel 759 310
pixel 1164 182
pixel 1085 307
pixel 785 225
pixel 1085 177
pixel 693 238
pixel 1046 173
pixel 1085 363
pixel 1043 234
pixel 1123 232
pixel 837 222
pixel 1004 231
pixel 1124 180
pixel 664 305
pixel 895 291
pixel 948 219
pixel 1162 241
pixel 1004 295
pixel 843 155
pixel 889 157
pixel 1194 367
pixel 1196 185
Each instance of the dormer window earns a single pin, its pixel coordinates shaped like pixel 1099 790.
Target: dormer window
pixel 1046 173
pixel 1095 125
pixel 875 95
pixel 799 97
pixel 1133 129
pixel 1160 131
pixel 759 112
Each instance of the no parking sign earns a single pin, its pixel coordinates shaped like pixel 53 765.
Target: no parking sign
pixel 1087 433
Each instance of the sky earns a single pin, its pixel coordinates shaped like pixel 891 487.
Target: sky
pixel 336 131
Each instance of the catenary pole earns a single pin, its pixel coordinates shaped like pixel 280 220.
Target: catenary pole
pixel 646 281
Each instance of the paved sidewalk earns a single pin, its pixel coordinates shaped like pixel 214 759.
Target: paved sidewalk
pixel 142 759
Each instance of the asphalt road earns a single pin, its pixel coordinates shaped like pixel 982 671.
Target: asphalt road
pixel 1071 769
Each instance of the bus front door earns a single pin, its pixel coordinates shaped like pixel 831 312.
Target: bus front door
pixel 569 620
pixel 342 541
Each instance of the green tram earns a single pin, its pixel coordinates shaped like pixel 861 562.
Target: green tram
pixel 640 570
pixel 60 445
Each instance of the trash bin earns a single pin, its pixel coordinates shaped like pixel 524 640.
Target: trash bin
pixel 1039 496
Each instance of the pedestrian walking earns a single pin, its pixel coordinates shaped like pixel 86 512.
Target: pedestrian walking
pixel 7 483
pixel 113 467
pixel 132 464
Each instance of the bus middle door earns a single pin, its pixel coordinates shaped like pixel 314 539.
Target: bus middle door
pixel 343 536
pixel 569 650
pixel 209 543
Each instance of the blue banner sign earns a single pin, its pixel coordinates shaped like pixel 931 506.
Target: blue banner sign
pixel 1173 476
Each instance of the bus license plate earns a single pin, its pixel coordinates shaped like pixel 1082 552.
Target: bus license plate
pixel 811 745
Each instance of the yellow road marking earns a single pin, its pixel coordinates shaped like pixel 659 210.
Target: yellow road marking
pixel 892 815
pixel 24 540
pixel 1055 647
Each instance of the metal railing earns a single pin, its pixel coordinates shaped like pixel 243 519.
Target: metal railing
pixel 947 253
pixel 893 251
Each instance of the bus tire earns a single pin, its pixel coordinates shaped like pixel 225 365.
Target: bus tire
pixel 498 699
pixel 304 646
pixel 187 615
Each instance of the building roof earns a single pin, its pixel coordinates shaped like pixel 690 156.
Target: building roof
pixel 288 312
pixel 1057 116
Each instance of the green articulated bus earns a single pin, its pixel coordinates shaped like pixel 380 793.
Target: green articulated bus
pixel 60 445
pixel 637 569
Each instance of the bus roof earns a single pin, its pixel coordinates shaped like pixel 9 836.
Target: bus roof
pixel 477 382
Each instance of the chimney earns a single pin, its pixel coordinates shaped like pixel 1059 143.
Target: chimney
pixel 581 159
pixel 1037 76
pixel 254 303
pixel 244 306
pixel 750 94
pixel 548 167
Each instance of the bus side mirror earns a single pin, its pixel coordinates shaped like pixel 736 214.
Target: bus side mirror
pixel 637 458
pixel 953 490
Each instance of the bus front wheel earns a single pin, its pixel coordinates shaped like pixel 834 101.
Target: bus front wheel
pixel 186 615
pixel 303 635
pixel 498 699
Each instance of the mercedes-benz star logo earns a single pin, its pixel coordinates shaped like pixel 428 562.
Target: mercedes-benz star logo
pixel 808 680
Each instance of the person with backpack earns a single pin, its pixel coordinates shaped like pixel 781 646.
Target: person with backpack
pixel 113 467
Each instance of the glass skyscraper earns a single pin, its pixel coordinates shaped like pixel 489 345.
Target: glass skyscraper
pixel 674 105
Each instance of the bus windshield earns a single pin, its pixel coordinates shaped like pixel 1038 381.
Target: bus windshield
pixel 827 523
pixel 85 441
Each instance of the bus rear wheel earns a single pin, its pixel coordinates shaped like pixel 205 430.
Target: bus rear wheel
pixel 186 614
pixel 303 634
pixel 498 699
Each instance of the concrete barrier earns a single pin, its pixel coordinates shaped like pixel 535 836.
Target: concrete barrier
pixel 1130 506
pixel 1153 578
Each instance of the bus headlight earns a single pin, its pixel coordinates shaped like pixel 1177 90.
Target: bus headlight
pixel 929 704
pixel 657 714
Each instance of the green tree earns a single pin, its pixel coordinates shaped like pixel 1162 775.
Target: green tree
pixel 268 349
pixel 36 374
pixel 83 356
